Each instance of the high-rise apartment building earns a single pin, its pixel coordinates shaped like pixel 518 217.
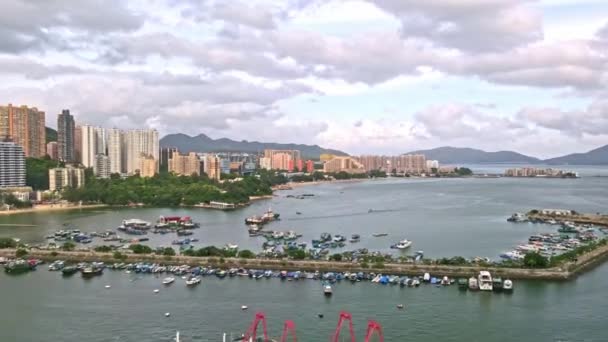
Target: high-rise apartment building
pixel 283 159
pixel 343 164
pixel 52 150
pixel 140 143
pixel 213 167
pixel 410 163
pixel 148 166
pixel 102 166
pixel 65 136
pixel 165 155
pixel 93 142
pixel 26 127
pixel 12 165
pixel 77 144
pixel 116 150
pixel 184 165
pixel 61 178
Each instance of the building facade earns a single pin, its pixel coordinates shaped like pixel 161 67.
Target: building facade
pixel 93 142
pixel 26 127
pixel 12 165
pixel 409 164
pixel 65 137
pixel 283 159
pixel 148 166
pixel 102 166
pixel 185 165
pixel 52 150
pixel 140 143
pixel 213 167
pixel 165 155
pixel 116 147
pixel 343 164
pixel 64 177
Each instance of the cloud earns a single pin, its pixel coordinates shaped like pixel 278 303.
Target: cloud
pixel 590 121
pixel 468 25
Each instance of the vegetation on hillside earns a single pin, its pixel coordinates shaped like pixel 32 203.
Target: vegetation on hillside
pixel 51 135
pixel 37 172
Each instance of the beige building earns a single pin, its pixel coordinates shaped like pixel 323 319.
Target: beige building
pixel 283 159
pixel 26 127
pixel 213 167
pixel 184 164
pixel 148 166
pixel 61 178
pixel 410 163
pixel 346 164
pixel 52 150
pixel 138 142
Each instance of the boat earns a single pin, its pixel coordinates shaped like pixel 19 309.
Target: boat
pixel 298 213
pixel 379 234
pixel 325 237
pixel 485 281
pixel 507 285
pixel 69 271
pixel 231 246
pixel 56 265
pixel 339 238
pixel 426 278
pixel 497 284
pixel 355 238
pixel 463 283
pixel 91 271
pixel 192 281
pixel 18 266
pixel 473 284
pixel 445 281
pixel 403 244
pixel 327 290
pixel 168 280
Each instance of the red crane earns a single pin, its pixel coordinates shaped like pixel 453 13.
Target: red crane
pixel 371 327
pixel 289 326
pixel 253 328
pixel 344 316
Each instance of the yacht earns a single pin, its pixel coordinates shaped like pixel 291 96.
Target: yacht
pixel 473 284
pixel 327 290
pixel 485 281
pixel 507 285
pixel 191 281
pixel 168 280
pixel 403 244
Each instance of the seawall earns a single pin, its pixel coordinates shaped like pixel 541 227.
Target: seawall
pixel 565 272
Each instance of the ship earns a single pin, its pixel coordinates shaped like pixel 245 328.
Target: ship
pixel 268 216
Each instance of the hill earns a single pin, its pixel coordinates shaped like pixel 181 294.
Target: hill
pixel 457 155
pixel 51 135
pixel 202 143
pixel 599 156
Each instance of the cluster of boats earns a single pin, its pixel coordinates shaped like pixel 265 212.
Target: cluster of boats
pixel 485 282
pixel 165 224
pixel 74 235
pixel 87 270
pixel 19 266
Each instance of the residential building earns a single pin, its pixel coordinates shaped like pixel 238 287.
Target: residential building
pixel 148 166
pixel 140 142
pixel 93 142
pixel 283 159
pixel 77 145
pixel 21 193
pixel 12 165
pixel 102 166
pixel 409 164
pixel 432 164
pixel 310 166
pixel 184 164
pixel 343 164
pixel 116 147
pixel 52 150
pixel 26 127
pixel 165 155
pixel 65 136
pixel 213 167
pixel 265 163
pixel 61 178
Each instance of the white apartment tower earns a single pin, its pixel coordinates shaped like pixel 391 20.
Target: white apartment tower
pixel 140 143
pixel 93 142
pixel 116 150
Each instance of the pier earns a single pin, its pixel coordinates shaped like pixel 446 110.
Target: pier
pixel 566 271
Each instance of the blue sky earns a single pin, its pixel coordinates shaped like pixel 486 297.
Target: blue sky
pixel 364 76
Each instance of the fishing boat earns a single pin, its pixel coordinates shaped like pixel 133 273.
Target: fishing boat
pixel 473 284
pixel 325 237
pixel 18 266
pixel 463 283
pixel 192 281
pixel 379 234
pixel 327 290
pixel 485 281
pixel 69 271
pixel 355 238
pixel 91 271
pixel 507 285
pixel 403 244
pixel 497 284
pixel 168 280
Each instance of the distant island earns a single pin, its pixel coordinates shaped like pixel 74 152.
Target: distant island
pixel 458 155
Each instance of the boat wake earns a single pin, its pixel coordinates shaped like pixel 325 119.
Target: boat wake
pixel 370 212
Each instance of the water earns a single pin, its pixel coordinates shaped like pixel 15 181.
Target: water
pixel 444 217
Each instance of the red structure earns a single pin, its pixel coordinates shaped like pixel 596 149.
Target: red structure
pixel 310 166
pixel 300 165
pixel 289 328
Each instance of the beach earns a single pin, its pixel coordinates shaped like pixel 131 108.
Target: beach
pixel 51 207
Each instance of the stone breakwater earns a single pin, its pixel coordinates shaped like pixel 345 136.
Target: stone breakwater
pixel 566 271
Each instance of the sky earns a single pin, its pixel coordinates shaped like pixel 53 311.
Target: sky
pixel 362 76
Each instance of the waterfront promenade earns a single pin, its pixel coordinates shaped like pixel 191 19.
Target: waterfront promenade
pixel 565 271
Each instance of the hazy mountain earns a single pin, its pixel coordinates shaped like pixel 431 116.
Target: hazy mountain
pixel 599 156
pixel 456 155
pixel 51 135
pixel 202 143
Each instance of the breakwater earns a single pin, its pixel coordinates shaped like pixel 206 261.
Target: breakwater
pixel 566 271
pixel 594 219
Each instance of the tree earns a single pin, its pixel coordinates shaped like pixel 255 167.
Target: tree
pixel 140 249
pixel 119 256
pixel 20 253
pixel 246 254
pixel 103 249
pixel 68 246
pixel 7 243
pixel 535 260
pixel 167 251
pixel 37 172
pixel 297 254
pixel 463 171
pixel 336 257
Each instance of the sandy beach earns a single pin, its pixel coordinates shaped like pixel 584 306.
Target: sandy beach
pixel 302 184
pixel 51 207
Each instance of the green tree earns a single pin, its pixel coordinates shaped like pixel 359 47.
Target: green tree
pixel 336 257
pixel 246 254
pixel 68 246
pixel 140 249
pixel 37 172
pixel 535 260
pixel 297 254
pixel 7 243
pixel 119 256
pixel 103 249
pixel 20 253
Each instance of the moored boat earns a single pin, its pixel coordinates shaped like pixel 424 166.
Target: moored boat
pixel 69 271
pixel 192 281
pixel 168 280
pixel 327 290
pixel 91 271
pixel 473 284
pixel 463 283
pixel 497 284
pixel 507 285
pixel 485 281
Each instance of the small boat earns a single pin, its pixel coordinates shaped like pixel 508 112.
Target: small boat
pixel 339 238
pixel 507 285
pixel 192 281
pixel 379 234
pixel 485 281
pixel 403 244
pixel 427 277
pixel 463 283
pixel 231 246
pixel 91 271
pixel 355 238
pixel 69 271
pixel 473 284
pixel 445 281
pixel 168 280
pixel 327 290
pixel 497 284
pixel 298 213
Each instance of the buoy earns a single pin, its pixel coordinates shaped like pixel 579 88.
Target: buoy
pixel 244 307
pixel 108 286
pixel 167 314
pixel 320 315
pixel 156 290
pixel 400 306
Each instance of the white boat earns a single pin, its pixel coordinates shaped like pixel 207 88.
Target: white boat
pixel 327 290
pixel 507 285
pixel 168 280
pixel 193 281
pixel 403 244
pixel 231 246
pixel 485 281
pixel 427 277
pixel 473 284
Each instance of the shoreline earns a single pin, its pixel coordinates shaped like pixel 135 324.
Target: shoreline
pixel 50 208
pixel 565 272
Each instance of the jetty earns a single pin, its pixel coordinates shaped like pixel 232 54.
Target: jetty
pixel 563 216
